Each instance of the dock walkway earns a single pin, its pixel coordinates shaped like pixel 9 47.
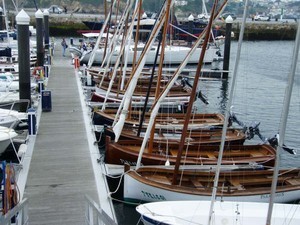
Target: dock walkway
pixel 62 170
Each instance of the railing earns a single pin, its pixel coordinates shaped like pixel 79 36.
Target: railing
pixel 19 213
pixel 95 215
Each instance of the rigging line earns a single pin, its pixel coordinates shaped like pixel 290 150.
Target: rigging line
pixel 157 25
pixel 192 35
pixel 122 47
pixel 134 79
pixel 108 27
pixel 114 41
pixel 119 184
pixel 157 103
pixel 140 2
pixel 12 143
pixel 122 201
pixel 93 53
pixel 16 7
pixel 193 93
pixel 124 72
pixel 171 216
pixel 161 62
pixel 139 221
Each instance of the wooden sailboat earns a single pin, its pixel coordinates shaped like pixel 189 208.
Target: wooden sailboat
pixel 245 212
pixel 177 94
pixel 127 98
pixel 195 137
pixel 204 151
pixel 115 95
pixel 127 150
pixel 161 184
pixel 165 121
pixel 148 184
pixel 174 55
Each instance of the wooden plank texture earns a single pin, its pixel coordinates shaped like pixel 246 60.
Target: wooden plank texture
pixel 61 171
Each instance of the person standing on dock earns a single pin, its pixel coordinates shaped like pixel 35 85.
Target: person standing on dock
pixel 64 45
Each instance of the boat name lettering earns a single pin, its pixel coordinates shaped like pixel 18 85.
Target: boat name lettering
pixel 124 161
pixel 281 194
pixel 153 196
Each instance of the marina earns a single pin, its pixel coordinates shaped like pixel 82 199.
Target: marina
pixel 59 171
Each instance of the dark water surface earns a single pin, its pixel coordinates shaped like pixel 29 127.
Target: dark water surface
pixel 259 94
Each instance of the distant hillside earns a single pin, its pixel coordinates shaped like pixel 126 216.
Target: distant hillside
pixel 192 6
pixel 89 6
pixel 97 6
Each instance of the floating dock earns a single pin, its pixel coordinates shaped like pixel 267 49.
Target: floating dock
pixel 61 165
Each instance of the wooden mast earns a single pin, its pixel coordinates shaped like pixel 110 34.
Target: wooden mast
pixel 118 126
pixel 193 94
pixel 107 31
pixel 116 35
pixel 105 8
pixel 155 107
pixel 161 64
pixel 117 15
pixel 137 30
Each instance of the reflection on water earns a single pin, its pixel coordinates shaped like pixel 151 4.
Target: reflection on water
pixel 223 96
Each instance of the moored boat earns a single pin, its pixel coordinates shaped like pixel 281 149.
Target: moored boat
pixel 197 212
pixel 172 55
pixel 168 121
pixel 155 184
pixel 201 153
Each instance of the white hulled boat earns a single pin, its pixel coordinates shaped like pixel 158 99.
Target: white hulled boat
pixel 196 212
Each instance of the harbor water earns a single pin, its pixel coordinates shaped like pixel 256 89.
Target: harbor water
pixel 258 97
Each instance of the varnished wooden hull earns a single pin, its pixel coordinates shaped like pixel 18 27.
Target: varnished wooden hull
pixel 127 151
pixel 152 184
pixel 170 121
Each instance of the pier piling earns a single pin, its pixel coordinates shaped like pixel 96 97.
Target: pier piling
pixel 46 27
pixel 23 20
pixel 39 38
pixel 229 21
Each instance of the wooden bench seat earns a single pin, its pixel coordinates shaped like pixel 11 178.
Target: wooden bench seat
pixel 211 154
pixel 293 181
pixel 159 178
pixel 197 183
pixel 237 184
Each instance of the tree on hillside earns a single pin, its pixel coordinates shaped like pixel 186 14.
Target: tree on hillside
pixel 152 5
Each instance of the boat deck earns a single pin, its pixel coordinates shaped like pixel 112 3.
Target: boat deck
pixel 62 169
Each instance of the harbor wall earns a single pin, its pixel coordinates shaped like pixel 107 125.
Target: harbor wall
pixel 253 31
pixel 68 25
pixel 267 30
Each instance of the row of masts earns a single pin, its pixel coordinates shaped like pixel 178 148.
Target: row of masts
pixel 124 107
